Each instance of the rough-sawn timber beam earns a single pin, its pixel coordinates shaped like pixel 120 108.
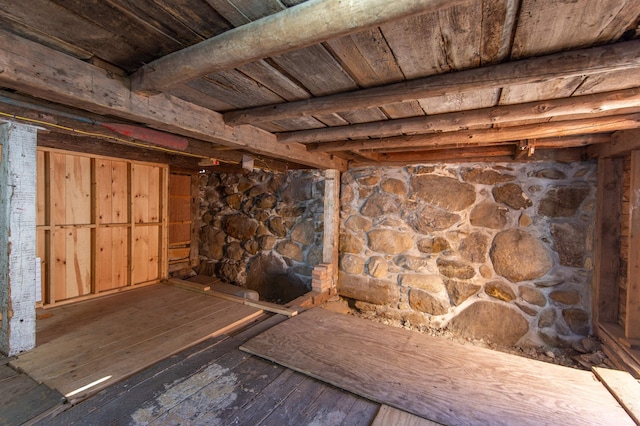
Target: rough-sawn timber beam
pixel 489 136
pixel 48 74
pixel 600 103
pixel 303 25
pixel 583 62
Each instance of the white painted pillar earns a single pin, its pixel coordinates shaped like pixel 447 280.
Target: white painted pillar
pixel 331 221
pixel 17 237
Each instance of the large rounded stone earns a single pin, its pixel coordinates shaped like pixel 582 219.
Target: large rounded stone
pixel 290 249
pixel 215 240
pixel 422 301
pixel 276 226
pixel 488 215
pixel 234 251
pixel 577 320
pixel 518 256
pixel 304 232
pixel 511 195
pixel 367 289
pixel 566 297
pixel 460 291
pixel 484 176
pixel 269 276
pixel 550 174
pixel 570 242
pixel 433 245
pixel 394 186
pixel 267 242
pixel 229 271
pixel 240 226
pixel 389 242
pixel 474 248
pixel 299 189
pixel 380 204
pixel 357 223
pixel 455 269
pixel 266 201
pixel 351 264
pixel 349 243
pixel 532 296
pixel 491 322
pixel 562 201
pixel 430 219
pixel 234 201
pixel 429 282
pixel 377 267
pixel 499 290
pixel 547 318
pixel 444 192
pixel 413 263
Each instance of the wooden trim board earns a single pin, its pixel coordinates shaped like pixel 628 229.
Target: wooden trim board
pixel 435 378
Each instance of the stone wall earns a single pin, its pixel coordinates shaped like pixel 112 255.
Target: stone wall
pixel 500 253
pixel 262 230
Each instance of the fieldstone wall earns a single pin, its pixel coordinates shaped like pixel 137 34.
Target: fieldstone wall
pixel 262 230
pixel 500 253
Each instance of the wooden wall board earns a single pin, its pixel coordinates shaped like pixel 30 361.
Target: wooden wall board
pixel 631 322
pixel 112 250
pixel 447 382
pixel 41 191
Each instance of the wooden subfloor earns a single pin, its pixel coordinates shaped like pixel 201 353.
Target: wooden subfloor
pixel 85 347
pixel 214 383
pixel 435 378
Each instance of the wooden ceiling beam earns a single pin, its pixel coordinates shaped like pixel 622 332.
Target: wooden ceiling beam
pixel 595 104
pixel 300 26
pixel 583 62
pixel 487 136
pixel 622 143
pixel 44 73
pixel 479 154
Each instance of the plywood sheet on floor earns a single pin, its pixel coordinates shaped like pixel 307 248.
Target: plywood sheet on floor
pixel 213 383
pixel 435 378
pixel 84 347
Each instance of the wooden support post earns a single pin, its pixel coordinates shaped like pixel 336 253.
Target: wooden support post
pixel 632 317
pixel 331 222
pixel 607 240
pixel 18 238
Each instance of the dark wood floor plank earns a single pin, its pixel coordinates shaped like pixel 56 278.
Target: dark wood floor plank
pixel 12 388
pixel 6 372
pixel 29 404
pixel 124 397
pixel 292 407
pixel 362 413
pixel 435 378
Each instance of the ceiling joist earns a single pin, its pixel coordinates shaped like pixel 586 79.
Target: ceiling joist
pixel 595 105
pixel 300 26
pixel 45 73
pixel 486 136
pixel 583 62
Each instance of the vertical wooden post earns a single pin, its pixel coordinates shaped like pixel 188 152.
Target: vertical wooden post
pixel 632 318
pixel 331 221
pixel 607 240
pixel 18 238
pixel 163 255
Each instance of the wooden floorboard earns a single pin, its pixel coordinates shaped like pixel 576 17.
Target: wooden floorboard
pixel 214 383
pixel 392 416
pixel 22 398
pixel 624 388
pixel 99 342
pixel 435 378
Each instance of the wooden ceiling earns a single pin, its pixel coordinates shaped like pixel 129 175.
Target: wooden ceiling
pixel 328 83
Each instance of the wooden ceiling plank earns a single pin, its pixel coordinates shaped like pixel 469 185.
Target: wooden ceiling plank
pixel 437 42
pixel 498 23
pixel 590 61
pixel 265 74
pixel 452 102
pixel 561 25
pixel 42 72
pixel 403 110
pixel 56 21
pixel 615 80
pixel 300 26
pixel 540 130
pixel 558 108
